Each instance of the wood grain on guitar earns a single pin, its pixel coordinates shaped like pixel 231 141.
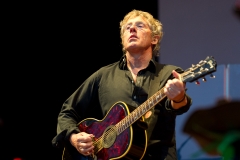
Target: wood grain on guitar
pixel 117 136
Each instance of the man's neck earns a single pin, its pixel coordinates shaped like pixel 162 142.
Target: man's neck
pixel 137 62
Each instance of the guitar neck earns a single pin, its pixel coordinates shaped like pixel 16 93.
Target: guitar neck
pixel 140 111
pixel 204 67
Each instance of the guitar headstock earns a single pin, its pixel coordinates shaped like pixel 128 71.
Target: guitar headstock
pixel 200 70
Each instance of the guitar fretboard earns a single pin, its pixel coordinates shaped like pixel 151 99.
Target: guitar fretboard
pixel 140 111
pixel 196 71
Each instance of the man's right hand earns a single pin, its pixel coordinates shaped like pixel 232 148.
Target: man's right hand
pixel 82 142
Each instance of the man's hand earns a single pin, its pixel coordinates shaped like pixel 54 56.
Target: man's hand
pixel 83 143
pixel 175 91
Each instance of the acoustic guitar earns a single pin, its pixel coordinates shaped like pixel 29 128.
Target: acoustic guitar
pixel 117 136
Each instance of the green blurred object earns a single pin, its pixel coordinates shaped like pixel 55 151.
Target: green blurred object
pixel 226 147
pixel 217 129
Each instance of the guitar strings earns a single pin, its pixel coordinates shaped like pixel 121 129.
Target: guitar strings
pixel 121 125
pixel 98 142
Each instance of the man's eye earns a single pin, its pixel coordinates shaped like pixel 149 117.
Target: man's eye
pixel 140 26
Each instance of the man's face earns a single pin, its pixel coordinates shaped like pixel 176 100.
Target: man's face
pixel 137 35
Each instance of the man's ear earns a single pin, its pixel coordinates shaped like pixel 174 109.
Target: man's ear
pixel 155 39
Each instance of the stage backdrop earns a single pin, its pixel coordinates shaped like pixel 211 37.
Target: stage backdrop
pixel 194 30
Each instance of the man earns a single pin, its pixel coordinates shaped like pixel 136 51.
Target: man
pixel 131 80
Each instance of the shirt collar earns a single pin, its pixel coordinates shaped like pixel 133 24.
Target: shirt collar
pixel 123 64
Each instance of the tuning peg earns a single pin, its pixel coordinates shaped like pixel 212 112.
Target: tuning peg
pixel 197 82
pixel 212 76
pixel 204 79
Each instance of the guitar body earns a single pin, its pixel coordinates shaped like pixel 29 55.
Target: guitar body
pixel 129 144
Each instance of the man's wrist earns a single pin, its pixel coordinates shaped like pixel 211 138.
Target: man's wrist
pixel 181 100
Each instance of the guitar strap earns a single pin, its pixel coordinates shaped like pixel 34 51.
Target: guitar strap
pixel 159 79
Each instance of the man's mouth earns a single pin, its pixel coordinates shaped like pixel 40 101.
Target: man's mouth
pixel 133 37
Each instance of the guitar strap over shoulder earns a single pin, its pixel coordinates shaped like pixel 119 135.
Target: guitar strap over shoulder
pixel 159 79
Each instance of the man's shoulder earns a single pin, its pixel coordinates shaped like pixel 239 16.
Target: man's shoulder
pixel 166 67
pixel 109 66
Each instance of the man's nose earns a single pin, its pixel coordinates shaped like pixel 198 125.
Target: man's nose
pixel 132 29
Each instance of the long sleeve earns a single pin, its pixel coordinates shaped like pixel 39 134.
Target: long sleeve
pixel 75 109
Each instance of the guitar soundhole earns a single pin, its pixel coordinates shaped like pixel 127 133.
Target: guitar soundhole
pixel 109 136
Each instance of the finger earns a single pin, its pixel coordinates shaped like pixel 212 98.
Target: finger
pixel 166 91
pixel 177 84
pixel 170 90
pixel 86 134
pixel 86 145
pixel 83 151
pixel 176 75
pixel 86 151
pixel 84 138
pixel 170 86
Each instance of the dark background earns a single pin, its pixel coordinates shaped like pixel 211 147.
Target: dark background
pixel 49 50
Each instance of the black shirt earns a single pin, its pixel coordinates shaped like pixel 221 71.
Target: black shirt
pixel 114 83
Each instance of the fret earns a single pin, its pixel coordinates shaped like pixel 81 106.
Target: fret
pixel 150 102
pixel 135 116
pixel 122 125
pixel 149 106
pixel 153 99
pixel 140 111
pixel 118 126
pixel 128 120
pixel 144 107
pixel 157 97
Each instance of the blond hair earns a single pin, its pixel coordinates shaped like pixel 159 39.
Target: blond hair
pixel 154 24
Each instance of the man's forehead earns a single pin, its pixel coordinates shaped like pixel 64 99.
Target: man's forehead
pixel 136 19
